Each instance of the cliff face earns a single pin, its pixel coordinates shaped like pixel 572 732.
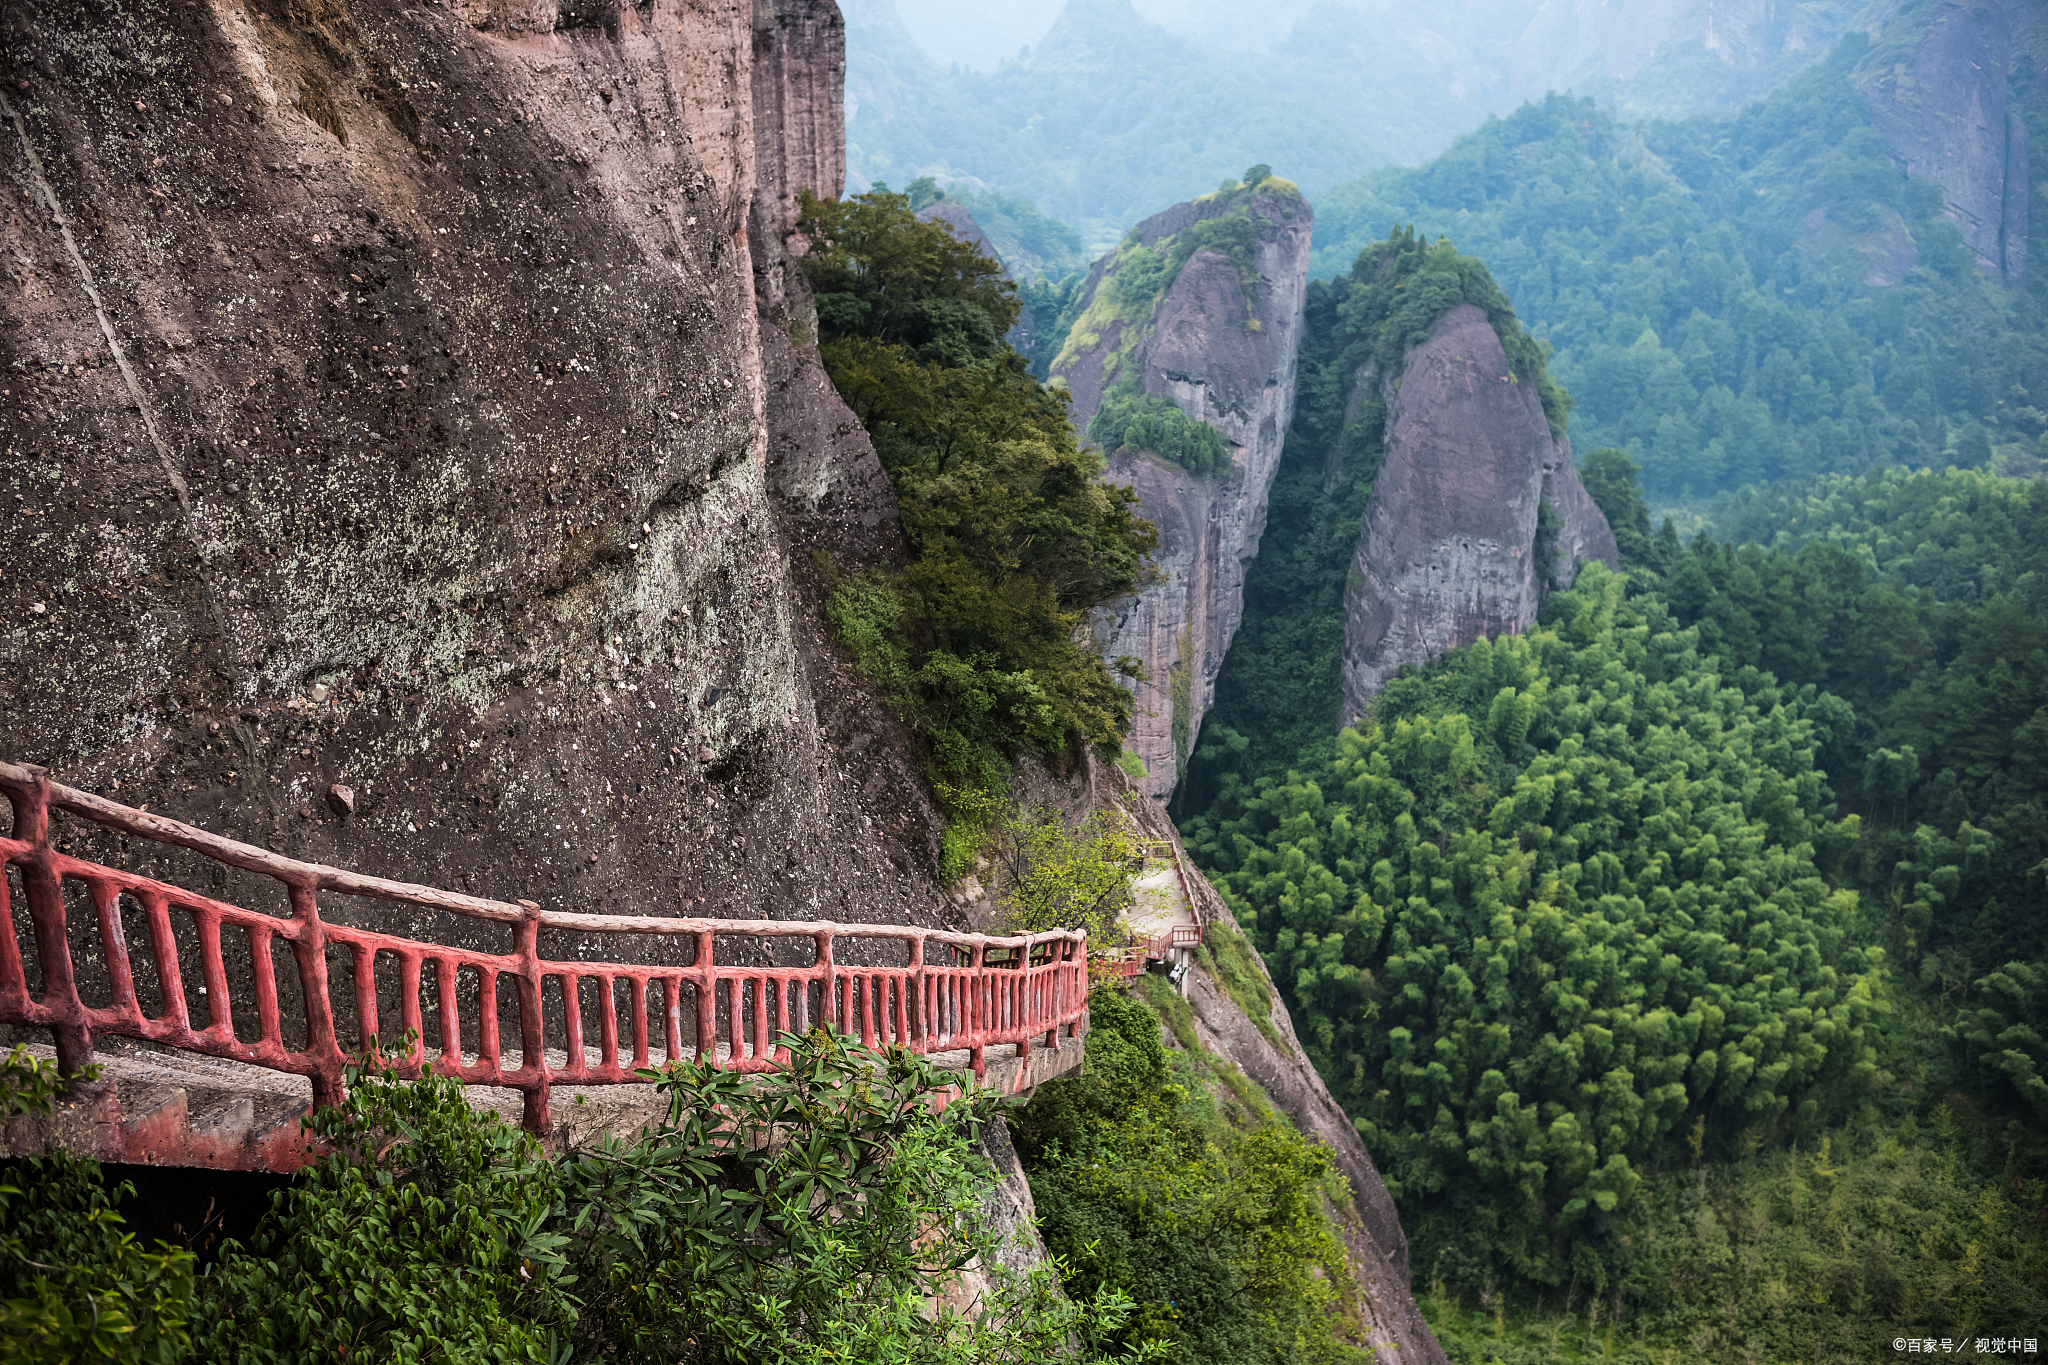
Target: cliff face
pixel 1227 360
pixel 384 405
pixel 1449 549
pixel 1941 89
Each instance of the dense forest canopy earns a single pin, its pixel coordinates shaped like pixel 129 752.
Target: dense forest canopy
pixel 1577 914
pixel 1735 300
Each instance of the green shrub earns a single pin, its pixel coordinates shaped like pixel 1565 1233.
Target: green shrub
pixel 73 1286
pixel 417 1239
pixel 1127 417
pixel 1217 1230
pixel 813 1215
pixel 1015 537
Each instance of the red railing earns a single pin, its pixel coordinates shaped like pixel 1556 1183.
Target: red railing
pixel 952 991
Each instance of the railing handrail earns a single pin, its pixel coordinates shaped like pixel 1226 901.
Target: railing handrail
pixel 321 877
pixel 1036 989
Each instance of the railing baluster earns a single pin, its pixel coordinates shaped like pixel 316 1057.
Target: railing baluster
pixel 106 905
pixel 451 1016
pixel 735 1020
pixel 608 1023
pixel 638 995
pixel 781 1015
pixel 672 1013
pixel 163 947
pixel 363 967
pixel 213 976
pixel 761 1048
pixel 707 998
pixel 269 1026
pixel 409 1012
pixel 572 1020
pixel 487 1020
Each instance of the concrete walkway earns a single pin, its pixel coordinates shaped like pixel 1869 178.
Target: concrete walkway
pixel 1160 905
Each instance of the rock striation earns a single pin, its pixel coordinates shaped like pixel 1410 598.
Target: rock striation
pixel 1449 550
pixel 386 405
pixel 1942 89
pixel 1224 355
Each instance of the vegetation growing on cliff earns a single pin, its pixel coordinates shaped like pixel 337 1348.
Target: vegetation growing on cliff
pixel 808 1217
pixel 1129 417
pixel 1015 537
pixel 1736 300
pixel 1207 1212
pixel 1135 276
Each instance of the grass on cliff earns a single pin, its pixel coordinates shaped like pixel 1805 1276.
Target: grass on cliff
pixel 1015 538
pixel 1137 276
pixel 1162 1173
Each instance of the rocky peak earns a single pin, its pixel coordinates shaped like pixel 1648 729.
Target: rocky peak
pixel 1197 314
pixel 1450 547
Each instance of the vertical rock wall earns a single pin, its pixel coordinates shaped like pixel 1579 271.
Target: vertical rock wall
pixel 1943 95
pixel 1229 361
pixel 799 109
pixel 1448 552
pixel 384 404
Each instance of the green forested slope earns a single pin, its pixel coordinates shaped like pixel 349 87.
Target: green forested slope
pixel 1733 300
pixel 1575 931
pixel 1556 902
pixel 1922 599
pixel 1684 962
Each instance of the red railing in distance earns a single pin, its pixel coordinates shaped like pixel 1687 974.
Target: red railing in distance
pixel 950 991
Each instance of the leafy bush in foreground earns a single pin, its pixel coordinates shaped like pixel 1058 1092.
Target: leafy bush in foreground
pixel 809 1216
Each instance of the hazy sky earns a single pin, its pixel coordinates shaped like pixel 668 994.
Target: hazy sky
pixel 981 33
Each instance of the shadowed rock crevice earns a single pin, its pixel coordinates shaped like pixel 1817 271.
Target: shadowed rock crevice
pixel 1219 343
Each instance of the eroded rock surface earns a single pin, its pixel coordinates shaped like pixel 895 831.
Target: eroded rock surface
pixel 1228 360
pixel 385 405
pixel 1946 103
pixel 1448 552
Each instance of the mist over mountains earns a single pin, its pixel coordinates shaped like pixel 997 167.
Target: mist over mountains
pixel 1119 108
